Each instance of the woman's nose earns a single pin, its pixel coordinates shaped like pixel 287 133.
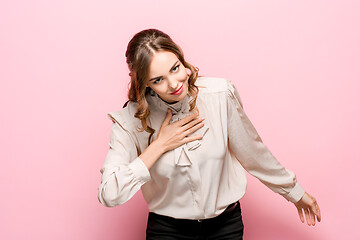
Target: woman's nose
pixel 173 84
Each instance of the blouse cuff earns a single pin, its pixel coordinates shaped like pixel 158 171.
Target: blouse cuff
pixel 295 194
pixel 141 172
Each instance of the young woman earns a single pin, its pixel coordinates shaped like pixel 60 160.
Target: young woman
pixel 185 140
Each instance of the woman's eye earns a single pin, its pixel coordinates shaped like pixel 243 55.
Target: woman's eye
pixel 176 67
pixel 156 80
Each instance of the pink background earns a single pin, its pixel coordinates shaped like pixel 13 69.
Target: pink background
pixel 296 65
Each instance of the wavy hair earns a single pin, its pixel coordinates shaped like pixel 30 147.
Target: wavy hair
pixel 138 55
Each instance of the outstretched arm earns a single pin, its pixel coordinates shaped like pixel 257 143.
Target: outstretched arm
pixel 247 146
pixel 256 158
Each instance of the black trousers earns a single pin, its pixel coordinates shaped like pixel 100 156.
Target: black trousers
pixel 226 226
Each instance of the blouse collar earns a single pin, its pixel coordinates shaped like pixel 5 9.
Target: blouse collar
pixel 180 107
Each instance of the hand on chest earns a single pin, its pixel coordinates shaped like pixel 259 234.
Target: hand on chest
pixel 212 147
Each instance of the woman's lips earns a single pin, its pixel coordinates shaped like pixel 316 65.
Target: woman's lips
pixel 178 91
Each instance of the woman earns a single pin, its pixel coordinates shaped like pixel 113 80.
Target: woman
pixel 185 141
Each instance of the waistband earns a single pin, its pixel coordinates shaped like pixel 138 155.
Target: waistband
pixel 228 210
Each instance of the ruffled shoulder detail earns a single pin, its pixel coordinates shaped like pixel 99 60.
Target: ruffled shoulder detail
pixel 234 95
pixel 216 84
pixel 124 121
pixel 125 117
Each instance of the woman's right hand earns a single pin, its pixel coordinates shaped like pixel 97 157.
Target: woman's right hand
pixel 175 134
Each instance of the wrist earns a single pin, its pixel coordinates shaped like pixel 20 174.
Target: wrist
pixel 159 146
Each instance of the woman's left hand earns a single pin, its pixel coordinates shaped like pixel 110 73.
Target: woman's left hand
pixel 310 207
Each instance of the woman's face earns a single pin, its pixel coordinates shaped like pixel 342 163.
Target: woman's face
pixel 168 77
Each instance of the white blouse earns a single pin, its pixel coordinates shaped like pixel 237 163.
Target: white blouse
pixel 199 179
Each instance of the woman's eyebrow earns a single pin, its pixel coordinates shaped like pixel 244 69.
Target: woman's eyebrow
pixel 169 70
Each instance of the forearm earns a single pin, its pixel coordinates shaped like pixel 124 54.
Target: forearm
pixel 152 153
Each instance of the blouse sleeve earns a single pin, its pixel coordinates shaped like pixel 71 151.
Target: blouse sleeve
pixel 249 149
pixel 123 172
